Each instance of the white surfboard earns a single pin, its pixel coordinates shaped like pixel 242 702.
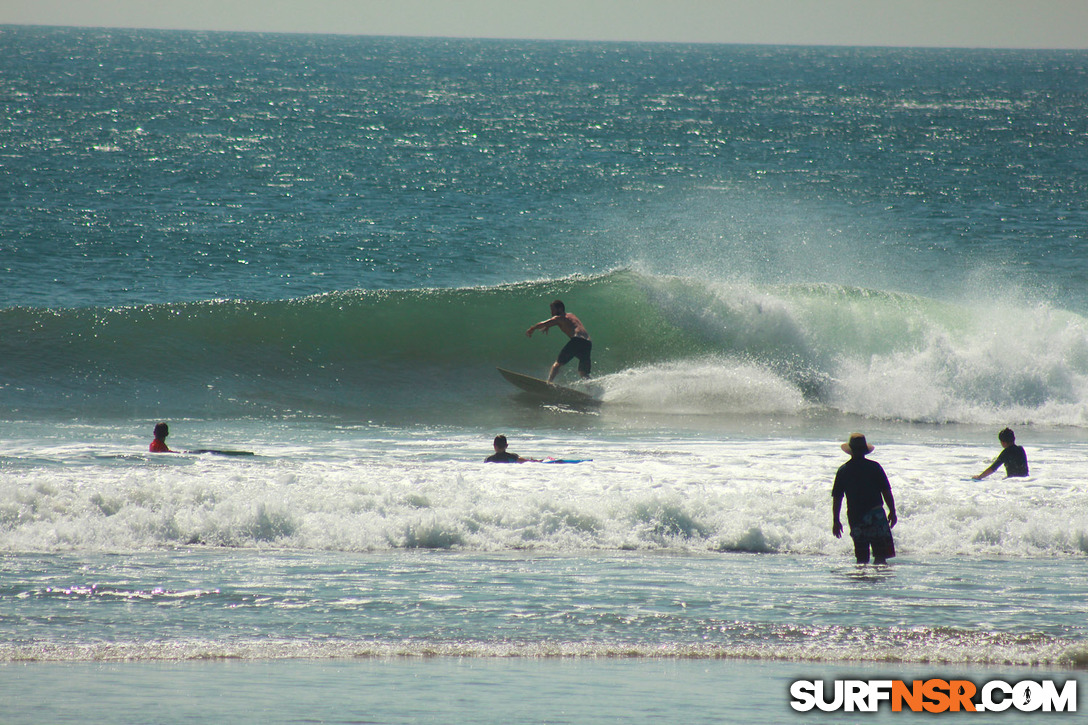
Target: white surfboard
pixel 548 391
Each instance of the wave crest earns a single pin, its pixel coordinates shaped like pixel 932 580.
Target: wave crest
pixel 676 345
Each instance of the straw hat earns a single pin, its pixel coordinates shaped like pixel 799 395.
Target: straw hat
pixel 856 441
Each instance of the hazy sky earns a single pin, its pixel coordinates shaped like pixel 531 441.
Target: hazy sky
pixel 959 23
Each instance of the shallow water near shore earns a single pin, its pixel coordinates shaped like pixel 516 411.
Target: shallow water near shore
pixel 462 691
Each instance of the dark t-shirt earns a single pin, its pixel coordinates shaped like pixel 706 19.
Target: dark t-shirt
pixel 1014 459
pixel 502 457
pixel 862 482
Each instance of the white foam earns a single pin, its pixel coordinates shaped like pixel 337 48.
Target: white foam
pixel 705 387
pixel 364 493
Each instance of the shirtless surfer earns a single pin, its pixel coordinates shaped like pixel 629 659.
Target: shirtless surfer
pixel 578 346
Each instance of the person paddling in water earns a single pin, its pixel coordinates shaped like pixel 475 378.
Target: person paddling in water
pixel 579 346
pixel 1012 457
pixel 502 455
pixel 158 445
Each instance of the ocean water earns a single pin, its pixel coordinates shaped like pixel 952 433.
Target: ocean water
pixel 318 249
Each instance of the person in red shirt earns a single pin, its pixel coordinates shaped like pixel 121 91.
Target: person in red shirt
pixel 159 444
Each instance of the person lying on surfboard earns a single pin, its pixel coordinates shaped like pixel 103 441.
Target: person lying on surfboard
pixel 578 346
pixel 501 455
pixel 158 445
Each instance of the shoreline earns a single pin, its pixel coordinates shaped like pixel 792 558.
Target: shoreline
pixel 455 691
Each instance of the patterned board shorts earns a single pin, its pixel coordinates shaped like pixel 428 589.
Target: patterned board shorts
pixel 873 529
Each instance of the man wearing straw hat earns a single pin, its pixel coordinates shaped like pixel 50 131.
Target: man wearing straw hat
pixel 866 488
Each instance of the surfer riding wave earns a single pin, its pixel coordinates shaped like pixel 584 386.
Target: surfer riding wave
pixel 579 346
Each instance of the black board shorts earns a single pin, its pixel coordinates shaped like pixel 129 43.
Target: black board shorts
pixel 580 348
